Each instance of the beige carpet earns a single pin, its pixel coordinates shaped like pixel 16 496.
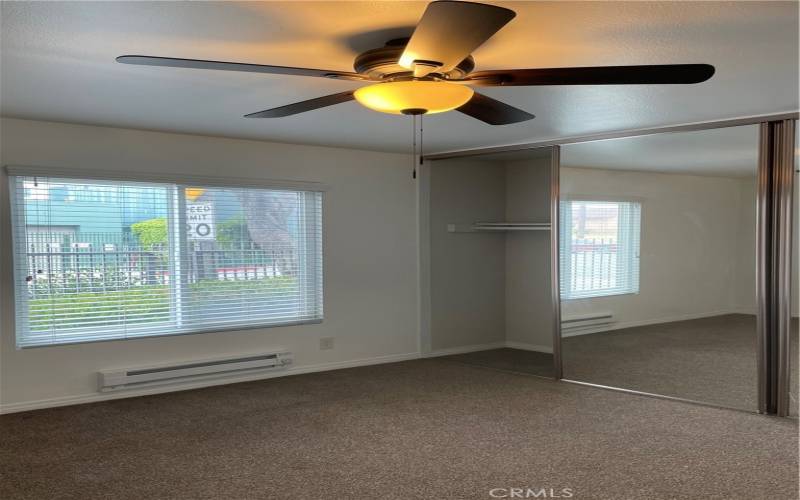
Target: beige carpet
pixel 427 429
pixel 711 360
pixel 507 359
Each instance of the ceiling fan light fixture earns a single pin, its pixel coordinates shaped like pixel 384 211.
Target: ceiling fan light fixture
pixel 428 95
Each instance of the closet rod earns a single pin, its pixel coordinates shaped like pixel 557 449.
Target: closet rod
pixel 498 227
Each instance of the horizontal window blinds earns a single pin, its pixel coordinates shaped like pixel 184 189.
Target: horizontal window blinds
pixel 103 260
pixel 599 248
pixel 228 181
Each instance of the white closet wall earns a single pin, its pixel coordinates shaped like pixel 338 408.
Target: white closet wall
pixel 467 269
pixel 529 309
pixel 490 289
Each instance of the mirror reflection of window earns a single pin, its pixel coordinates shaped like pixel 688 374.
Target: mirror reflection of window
pixel 599 248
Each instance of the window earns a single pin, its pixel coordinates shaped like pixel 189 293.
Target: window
pixel 599 251
pixel 100 260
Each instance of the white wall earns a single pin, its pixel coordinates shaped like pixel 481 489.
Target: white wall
pixel 695 244
pixel 744 285
pixel 370 254
pixel 467 269
pixel 529 304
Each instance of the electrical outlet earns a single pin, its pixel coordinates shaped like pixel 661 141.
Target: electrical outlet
pixel 326 343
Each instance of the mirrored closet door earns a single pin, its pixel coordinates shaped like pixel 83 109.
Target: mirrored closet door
pixel 657 259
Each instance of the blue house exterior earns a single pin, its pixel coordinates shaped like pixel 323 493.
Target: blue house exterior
pixel 92 208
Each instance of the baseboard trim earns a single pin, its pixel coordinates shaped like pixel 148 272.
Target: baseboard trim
pixel 671 319
pixel 295 370
pixel 485 347
pixel 529 347
pixel 464 349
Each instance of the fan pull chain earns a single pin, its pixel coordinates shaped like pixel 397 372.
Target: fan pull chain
pixel 414 152
pixel 414 146
pixel 414 143
pixel 420 139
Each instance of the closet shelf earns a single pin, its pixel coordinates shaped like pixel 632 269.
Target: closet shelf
pixel 477 227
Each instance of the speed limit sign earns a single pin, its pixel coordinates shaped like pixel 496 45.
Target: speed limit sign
pixel 200 221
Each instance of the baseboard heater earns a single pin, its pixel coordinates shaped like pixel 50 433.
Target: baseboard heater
pixel 128 378
pixel 585 322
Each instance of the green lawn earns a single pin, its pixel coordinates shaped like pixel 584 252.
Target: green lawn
pixel 143 304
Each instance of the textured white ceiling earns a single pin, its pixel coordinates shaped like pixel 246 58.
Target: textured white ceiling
pixel 726 152
pixel 58 64
pixel 730 152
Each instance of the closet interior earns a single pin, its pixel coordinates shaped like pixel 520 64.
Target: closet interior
pixel 490 261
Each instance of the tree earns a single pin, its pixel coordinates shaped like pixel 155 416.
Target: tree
pixel 268 215
pixel 151 233
pixel 233 233
pixel 152 236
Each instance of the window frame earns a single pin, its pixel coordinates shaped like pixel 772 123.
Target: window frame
pixel 177 245
pixel 633 244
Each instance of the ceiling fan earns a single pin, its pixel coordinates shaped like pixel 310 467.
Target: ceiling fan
pixel 432 72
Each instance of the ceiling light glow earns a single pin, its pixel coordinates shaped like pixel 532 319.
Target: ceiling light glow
pixel 414 95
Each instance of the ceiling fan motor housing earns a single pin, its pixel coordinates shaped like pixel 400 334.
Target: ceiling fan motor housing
pixel 381 63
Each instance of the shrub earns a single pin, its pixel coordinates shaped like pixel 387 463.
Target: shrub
pixel 151 233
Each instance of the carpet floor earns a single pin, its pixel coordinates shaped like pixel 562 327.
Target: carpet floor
pixel 710 359
pixel 424 429
pixel 508 359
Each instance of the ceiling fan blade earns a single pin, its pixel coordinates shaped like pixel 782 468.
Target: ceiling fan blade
pixel 597 75
pixel 448 33
pixel 174 62
pixel 303 106
pixel 492 111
